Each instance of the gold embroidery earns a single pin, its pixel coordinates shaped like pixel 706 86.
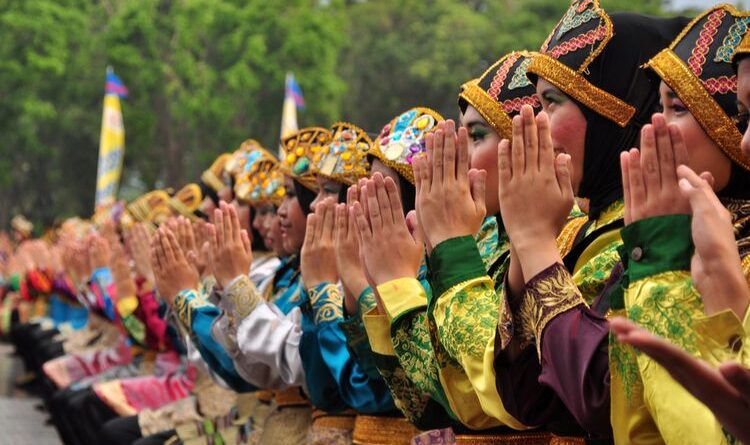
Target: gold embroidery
pixel 548 297
pixel 569 233
pixel 574 84
pixel 702 105
pixel 327 303
pixel 243 296
pixel 742 49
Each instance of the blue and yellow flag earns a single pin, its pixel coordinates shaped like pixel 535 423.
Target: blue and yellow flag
pixel 111 142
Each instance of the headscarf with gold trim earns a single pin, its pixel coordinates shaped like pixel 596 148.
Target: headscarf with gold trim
pixel 403 138
pixel 594 58
pixel 259 180
pixel 186 201
pixel 697 66
pixel 500 92
pixel 212 180
pixel 344 158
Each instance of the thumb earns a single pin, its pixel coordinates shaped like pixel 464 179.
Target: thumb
pixel 478 180
pixel 412 223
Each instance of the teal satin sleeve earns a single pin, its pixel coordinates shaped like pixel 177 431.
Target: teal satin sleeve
pixel 362 391
pixel 197 315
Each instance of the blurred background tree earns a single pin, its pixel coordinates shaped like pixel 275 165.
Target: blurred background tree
pixel 204 75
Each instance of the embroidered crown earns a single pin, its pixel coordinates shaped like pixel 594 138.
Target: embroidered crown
pixel 299 148
pixel 344 158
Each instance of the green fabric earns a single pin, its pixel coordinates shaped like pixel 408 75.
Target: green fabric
pixel 454 261
pixel 356 335
pixel 14 283
pixel 665 242
pixel 135 328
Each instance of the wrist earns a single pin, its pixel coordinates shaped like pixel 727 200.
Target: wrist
pixel 537 256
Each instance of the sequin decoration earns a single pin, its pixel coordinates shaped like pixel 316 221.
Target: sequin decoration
pixel 344 158
pixel 405 139
pixel 575 18
pixel 705 39
pixel 731 40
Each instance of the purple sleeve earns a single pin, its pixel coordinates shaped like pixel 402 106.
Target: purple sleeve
pixel 573 376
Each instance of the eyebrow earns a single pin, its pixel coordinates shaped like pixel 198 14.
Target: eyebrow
pixel 474 123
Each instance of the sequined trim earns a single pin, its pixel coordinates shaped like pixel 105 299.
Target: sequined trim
pixel 568 234
pixel 690 90
pixel 575 85
pixel 327 303
pixel 489 108
pixel 187 301
pixel 549 294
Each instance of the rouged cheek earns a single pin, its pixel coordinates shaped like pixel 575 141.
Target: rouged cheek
pixel 484 156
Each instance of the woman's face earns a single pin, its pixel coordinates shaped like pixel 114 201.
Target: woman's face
pixel 243 214
pixel 327 188
pixel 743 100
pixel 483 141
pixel 261 214
pixel 704 154
pixel 207 207
pixel 292 219
pixel 272 237
pixel 567 126
pixel 387 172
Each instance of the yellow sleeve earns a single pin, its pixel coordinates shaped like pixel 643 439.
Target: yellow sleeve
pixel 723 337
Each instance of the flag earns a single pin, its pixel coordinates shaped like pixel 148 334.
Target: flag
pixel 111 142
pixel 293 100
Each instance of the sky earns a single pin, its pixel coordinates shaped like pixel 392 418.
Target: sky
pixel 704 4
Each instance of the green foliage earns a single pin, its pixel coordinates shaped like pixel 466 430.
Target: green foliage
pixel 204 75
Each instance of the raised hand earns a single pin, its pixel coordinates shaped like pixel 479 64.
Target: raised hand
pixel 725 391
pixel 318 255
pixel 535 191
pixel 715 266
pixel 98 251
pixel 449 195
pixel 124 284
pixel 139 245
pixel 388 248
pixel 231 252
pixel 188 240
pixel 172 272
pixel 649 176
pixel 348 261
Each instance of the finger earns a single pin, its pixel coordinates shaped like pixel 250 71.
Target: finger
pixel 649 162
pixel 665 151
pixel 449 152
pixel 546 147
pixel 412 223
pixel 397 209
pixel 376 221
pixel 160 255
pixel 320 215
pixel 383 200
pixel 679 146
pixel 504 169
pixel 531 138
pixel 310 231
pixel 462 148
pixel 219 228
pixel 229 234
pixel 174 246
pixel 517 155
pixel 478 180
pixel 246 243
pixel 709 178
pixel 363 228
pixel 169 253
pixel 738 376
pixel 562 171
pixel 208 254
pixel 341 223
pixel 637 186
pixel 236 227
pixel 328 220
pixel 697 191
pixel 624 165
pixel 363 199
pixel 437 154
pixel 213 239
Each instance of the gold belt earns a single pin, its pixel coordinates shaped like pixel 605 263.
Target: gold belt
pixel 265 395
pixel 290 397
pixel 341 421
pixel 567 440
pixel 374 430
pixel 519 438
